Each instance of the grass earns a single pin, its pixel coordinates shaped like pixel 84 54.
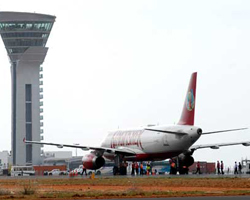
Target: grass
pixel 128 194
pixel 29 188
pixel 125 194
pixel 96 194
pixel 149 181
pixel 4 192
pixel 133 187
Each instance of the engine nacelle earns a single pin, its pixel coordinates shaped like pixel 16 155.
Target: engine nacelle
pixel 92 161
pixel 185 160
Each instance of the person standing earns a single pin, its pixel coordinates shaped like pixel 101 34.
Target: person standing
pixel 133 169
pixel 141 168
pixel 235 168
pixel 218 167
pixel 148 168
pixel 125 167
pixel 222 167
pixel 198 168
pixel 240 167
pixel 136 168
pixel 151 167
pixel 84 170
pixel 172 167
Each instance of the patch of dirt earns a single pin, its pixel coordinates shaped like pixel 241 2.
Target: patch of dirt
pixel 126 187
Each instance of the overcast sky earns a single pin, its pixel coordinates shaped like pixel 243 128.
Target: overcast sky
pixel 127 63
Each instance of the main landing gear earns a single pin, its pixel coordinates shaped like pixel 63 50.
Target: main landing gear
pixel 120 167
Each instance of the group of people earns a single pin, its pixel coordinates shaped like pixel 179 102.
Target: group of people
pixel 220 167
pixel 237 168
pixel 138 168
pixel 121 170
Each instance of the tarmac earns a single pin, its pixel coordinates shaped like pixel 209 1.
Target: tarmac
pixel 129 176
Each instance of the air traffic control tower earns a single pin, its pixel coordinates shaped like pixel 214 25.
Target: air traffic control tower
pixel 24 36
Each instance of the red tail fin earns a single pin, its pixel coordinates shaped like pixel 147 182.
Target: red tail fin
pixel 187 116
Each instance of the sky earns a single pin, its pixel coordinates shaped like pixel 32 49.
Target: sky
pixel 124 64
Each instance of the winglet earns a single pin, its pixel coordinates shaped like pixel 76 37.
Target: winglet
pixel 187 116
pixel 24 140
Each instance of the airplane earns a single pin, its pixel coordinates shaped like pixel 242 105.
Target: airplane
pixel 152 143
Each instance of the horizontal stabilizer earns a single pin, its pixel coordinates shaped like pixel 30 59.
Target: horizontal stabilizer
pixel 217 146
pixel 162 131
pixel 238 129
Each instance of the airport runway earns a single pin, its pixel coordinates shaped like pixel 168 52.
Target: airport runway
pixel 129 176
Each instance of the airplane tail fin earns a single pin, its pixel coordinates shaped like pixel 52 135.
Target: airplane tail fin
pixel 187 116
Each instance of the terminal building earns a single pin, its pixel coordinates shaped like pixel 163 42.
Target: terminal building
pixel 25 36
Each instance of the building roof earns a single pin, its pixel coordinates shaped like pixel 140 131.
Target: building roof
pixel 24 16
pixel 21 31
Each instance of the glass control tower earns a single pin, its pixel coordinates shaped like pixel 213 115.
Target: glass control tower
pixel 25 36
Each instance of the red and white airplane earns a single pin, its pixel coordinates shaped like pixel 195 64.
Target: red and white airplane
pixel 152 143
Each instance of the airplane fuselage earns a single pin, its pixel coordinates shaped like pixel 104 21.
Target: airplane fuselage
pixel 152 145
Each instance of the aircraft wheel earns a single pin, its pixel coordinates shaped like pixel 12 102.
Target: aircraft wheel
pixel 98 172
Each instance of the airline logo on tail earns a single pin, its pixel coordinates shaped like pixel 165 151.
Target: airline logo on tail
pixel 190 100
pixel 187 115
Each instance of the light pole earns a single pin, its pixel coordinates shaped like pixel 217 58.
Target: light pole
pixel 76 148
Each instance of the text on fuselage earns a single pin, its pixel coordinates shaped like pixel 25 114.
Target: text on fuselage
pixel 126 138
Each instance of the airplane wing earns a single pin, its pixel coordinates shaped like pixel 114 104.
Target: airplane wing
pixel 123 151
pixel 217 146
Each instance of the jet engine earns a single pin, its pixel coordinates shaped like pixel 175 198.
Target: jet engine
pixel 185 160
pixel 91 161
